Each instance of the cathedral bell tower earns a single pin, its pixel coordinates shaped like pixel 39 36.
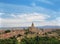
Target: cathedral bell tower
pixel 32 25
pixel 32 28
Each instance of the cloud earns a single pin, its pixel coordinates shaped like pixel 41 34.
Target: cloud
pixel 22 19
pixel 11 8
pixel 18 9
pixel 47 1
pixel 54 22
pixel 33 4
pixel 57 21
pixel 13 15
pixel 26 20
pixel 33 16
pixel 1 14
pixel 25 15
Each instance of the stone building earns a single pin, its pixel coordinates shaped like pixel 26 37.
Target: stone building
pixel 33 29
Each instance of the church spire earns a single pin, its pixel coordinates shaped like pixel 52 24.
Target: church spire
pixel 32 24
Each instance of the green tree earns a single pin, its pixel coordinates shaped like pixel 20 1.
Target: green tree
pixel 7 31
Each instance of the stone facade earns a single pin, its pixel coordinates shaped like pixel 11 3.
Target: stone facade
pixel 34 29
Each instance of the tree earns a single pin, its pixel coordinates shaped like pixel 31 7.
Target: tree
pixel 8 41
pixel 40 40
pixel 7 31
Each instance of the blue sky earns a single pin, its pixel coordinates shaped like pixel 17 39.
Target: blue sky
pixel 18 13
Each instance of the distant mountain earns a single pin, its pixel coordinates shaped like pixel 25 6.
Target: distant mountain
pixel 58 27
pixel 49 26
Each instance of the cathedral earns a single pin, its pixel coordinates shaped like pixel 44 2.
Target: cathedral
pixel 34 29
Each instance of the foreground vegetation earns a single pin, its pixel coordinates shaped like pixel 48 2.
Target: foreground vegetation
pixel 8 41
pixel 35 40
pixel 40 40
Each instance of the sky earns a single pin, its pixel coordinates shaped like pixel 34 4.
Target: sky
pixel 21 13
